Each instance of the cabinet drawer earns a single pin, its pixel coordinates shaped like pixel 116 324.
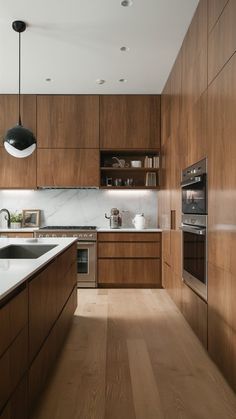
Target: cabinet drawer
pixel 129 237
pixel 129 250
pixel 129 272
pixel 13 317
pixel 15 234
pixel 13 365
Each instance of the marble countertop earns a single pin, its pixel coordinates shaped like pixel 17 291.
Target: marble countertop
pixel 14 272
pixel 129 230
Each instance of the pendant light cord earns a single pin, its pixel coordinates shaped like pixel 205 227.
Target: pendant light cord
pixel 19 91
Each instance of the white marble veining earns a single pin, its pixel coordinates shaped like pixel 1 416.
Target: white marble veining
pixel 14 272
pixel 82 206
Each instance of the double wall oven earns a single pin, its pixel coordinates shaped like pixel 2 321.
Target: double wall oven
pixel 86 250
pixel 194 227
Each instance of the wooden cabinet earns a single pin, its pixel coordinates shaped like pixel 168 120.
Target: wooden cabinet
pixel 129 259
pixel 9 112
pixel 68 121
pixel 43 362
pixel 130 122
pixel 17 173
pixel 48 292
pixel 17 407
pixel 222 40
pixel 68 168
pixel 215 8
pixel 13 343
pixel 195 311
pixel 17 235
pixel 34 319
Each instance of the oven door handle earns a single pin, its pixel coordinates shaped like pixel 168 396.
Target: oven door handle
pixel 194 230
pixel 191 181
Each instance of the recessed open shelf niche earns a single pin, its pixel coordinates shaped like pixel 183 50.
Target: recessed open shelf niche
pixel 118 172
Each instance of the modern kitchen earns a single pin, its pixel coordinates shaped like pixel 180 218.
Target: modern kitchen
pixel 117 209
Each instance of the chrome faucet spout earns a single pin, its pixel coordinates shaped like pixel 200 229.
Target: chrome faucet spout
pixel 7 216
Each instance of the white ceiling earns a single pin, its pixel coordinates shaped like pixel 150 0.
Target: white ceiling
pixel 75 42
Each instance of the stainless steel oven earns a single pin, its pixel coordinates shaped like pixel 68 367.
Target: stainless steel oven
pixel 194 189
pixel 194 246
pixel 194 227
pixel 86 250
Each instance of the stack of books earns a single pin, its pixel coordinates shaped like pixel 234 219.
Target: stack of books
pixel 151 179
pixel 152 162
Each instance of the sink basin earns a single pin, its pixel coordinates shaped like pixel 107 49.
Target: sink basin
pixel 25 251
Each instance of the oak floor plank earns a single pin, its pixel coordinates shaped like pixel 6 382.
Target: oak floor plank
pixel 130 354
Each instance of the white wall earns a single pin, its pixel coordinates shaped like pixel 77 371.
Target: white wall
pixel 81 206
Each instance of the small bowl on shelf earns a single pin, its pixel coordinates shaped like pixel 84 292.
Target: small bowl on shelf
pixel 136 163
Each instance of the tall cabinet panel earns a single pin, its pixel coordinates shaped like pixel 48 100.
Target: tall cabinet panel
pixel 129 122
pixel 17 173
pixel 222 219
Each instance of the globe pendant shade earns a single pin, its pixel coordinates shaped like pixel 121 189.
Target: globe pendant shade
pixel 19 142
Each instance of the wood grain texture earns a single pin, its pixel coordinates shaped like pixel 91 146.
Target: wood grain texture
pixel 129 237
pixel 9 113
pixel 17 407
pixel 130 121
pixel 17 173
pixel 194 310
pixel 129 272
pixel 222 40
pixel 129 250
pixel 65 168
pixel 215 8
pixel 133 350
pixel 14 235
pixel 68 121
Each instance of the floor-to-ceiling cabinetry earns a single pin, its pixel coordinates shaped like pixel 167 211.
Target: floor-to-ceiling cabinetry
pixel 198 120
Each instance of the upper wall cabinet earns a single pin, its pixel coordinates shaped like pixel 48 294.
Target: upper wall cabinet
pixel 9 112
pixel 68 121
pixel 17 173
pixel 68 168
pixel 129 122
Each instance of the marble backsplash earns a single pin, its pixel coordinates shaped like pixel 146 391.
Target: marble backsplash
pixel 81 206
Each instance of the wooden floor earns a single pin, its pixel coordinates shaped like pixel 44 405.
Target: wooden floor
pixel 130 354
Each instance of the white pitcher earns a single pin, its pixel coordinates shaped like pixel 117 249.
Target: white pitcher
pixel 139 221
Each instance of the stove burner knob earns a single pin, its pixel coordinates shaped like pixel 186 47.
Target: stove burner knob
pixel 85 235
pixel 90 235
pixel 47 235
pixel 54 235
pixel 75 235
pixel 63 235
pixel 80 235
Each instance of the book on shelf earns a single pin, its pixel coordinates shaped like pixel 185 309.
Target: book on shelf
pixel 151 162
pixel 151 179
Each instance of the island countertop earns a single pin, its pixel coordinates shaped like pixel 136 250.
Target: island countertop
pixel 128 230
pixel 14 272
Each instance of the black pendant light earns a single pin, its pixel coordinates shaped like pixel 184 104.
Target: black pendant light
pixel 19 141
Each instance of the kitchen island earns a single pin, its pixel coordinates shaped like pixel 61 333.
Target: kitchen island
pixel 38 297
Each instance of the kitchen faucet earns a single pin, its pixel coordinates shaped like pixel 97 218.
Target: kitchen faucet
pixel 7 216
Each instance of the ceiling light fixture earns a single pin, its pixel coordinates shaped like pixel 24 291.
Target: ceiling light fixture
pixel 126 3
pixel 122 80
pixel 48 79
pixel 18 140
pixel 100 81
pixel 124 49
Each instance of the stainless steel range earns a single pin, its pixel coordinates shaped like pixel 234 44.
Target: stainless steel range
pixel 86 250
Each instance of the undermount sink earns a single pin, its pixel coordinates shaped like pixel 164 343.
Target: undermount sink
pixel 25 251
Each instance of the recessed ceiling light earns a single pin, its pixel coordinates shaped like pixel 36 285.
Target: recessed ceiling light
pixel 100 81
pixel 124 49
pixel 126 3
pixel 48 79
pixel 122 80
